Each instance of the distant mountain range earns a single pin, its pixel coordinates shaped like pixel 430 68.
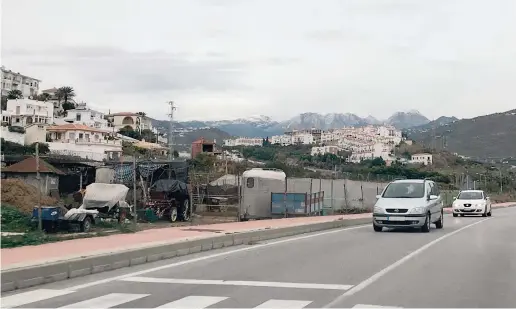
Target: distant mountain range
pixel 490 136
pixel 262 126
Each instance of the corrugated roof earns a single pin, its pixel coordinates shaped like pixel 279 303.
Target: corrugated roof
pixel 29 166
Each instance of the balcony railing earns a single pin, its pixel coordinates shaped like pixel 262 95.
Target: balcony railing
pixel 89 141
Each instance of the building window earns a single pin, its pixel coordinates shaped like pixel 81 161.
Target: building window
pixel 78 117
pixel 250 182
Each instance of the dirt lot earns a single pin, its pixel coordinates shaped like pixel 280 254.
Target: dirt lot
pixel 23 196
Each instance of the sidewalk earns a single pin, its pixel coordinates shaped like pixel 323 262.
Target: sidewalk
pixel 69 249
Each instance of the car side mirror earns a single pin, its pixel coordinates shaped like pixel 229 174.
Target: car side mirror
pixel 378 196
pixel 433 197
pixel 454 198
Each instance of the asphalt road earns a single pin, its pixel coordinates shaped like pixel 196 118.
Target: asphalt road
pixel 469 263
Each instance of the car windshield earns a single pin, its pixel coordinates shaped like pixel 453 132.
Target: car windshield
pixel 470 196
pixel 404 190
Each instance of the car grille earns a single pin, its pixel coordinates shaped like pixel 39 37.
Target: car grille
pixel 397 222
pixel 467 205
pixel 393 210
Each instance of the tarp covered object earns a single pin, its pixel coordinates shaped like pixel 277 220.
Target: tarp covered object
pixel 172 187
pixel 100 195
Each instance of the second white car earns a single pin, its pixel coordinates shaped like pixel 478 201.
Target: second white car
pixel 472 202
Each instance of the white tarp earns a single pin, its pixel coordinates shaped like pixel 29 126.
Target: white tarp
pixel 100 195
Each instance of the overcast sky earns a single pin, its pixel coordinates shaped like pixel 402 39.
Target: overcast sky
pixel 223 59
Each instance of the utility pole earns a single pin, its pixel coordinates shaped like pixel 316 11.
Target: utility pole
pixel 171 131
pixel 134 191
pixel 40 220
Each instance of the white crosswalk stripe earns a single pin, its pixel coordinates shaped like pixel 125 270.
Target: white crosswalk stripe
pixel 373 306
pixel 24 298
pixel 278 303
pixel 107 301
pixel 194 302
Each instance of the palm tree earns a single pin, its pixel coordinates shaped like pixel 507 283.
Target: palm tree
pixel 65 93
pixel 15 94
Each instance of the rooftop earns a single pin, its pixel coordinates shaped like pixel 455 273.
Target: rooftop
pixel 29 166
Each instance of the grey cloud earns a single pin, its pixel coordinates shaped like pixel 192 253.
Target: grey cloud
pixel 114 70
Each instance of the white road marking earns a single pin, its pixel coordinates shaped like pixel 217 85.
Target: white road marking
pixel 372 306
pixel 211 256
pixel 107 301
pixel 293 285
pixel 362 285
pixel 278 303
pixel 194 302
pixel 24 298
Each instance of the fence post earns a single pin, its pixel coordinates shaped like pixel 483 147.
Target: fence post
pixel 331 196
pixel 311 192
pixel 285 197
pixel 239 192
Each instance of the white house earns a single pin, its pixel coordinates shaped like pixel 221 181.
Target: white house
pixel 283 140
pixel 29 86
pixel 24 112
pixel 83 115
pixel 422 158
pixel 133 120
pixel 82 141
pixel 324 150
pixel 243 141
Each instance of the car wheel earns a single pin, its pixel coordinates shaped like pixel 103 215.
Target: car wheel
pixel 455 215
pixel 185 211
pixel 86 225
pixel 490 213
pixel 485 213
pixel 377 228
pixel 173 214
pixel 426 227
pixel 440 223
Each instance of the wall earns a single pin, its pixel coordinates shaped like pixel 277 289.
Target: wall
pixel 14 137
pixel 346 193
pixel 94 152
pixel 35 133
pixel 46 183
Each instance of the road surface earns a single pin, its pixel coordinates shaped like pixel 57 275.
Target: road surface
pixel 469 263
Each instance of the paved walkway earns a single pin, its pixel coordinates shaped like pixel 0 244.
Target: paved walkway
pixel 68 249
pixel 13 257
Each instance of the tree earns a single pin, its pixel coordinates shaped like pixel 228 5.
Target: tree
pixel 204 162
pixel 68 106
pixel 43 97
pixel 4 103
pixel 129 132
pixel 378 161
pixel 175 154
pixel 148 136
pixel 65 93
pixel 14 94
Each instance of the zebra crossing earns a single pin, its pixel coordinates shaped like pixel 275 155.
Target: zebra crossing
pixel 110 300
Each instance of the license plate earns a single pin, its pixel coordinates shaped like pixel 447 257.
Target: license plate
pixel 396 218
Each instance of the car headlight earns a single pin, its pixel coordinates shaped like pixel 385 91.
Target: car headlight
pixel 480 205
pixel 418 210
pixel 378 209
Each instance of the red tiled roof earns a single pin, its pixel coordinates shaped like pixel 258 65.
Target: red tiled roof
pixel 74 127
pixel 29 166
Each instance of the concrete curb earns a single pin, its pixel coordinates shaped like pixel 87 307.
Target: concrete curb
pixel 24 277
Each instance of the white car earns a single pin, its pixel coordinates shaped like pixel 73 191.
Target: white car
pixel 472 202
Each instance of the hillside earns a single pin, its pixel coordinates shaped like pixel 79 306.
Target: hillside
pixel 209 134
pixel 489 136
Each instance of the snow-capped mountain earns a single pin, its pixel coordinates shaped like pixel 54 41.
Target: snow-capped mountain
pixel 262 126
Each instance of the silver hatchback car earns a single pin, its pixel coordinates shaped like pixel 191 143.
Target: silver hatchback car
pixel 409 203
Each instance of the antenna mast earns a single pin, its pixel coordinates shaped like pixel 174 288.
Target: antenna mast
pixel 171 131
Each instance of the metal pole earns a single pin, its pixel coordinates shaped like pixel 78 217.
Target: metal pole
pixel 285 198
pixel 134 190
pixel 331 190
pixel 501 179
pixel 40 220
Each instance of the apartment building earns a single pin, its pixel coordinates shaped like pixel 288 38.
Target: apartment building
pixel 324 150
pixel 29 86
pixel 283 140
